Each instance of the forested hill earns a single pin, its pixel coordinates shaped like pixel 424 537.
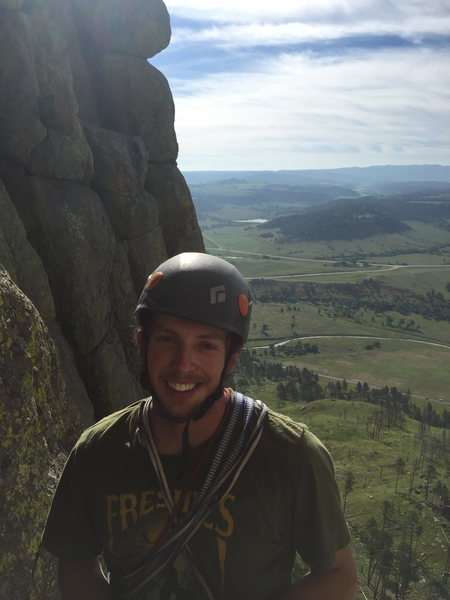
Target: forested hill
pixel 365 217
pixel 209 197
pixel 345 299
pixel 271 194
pixel 349 219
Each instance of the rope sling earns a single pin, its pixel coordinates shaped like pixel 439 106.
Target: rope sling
pixel 236 445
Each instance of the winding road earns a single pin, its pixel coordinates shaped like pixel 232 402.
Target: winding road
pixel 379 267
pixel 366 337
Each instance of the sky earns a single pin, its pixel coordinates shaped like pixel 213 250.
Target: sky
pixel 317 84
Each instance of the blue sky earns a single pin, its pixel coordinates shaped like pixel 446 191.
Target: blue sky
pixel 295 84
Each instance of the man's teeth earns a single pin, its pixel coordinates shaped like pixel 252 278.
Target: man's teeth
pixel 181 387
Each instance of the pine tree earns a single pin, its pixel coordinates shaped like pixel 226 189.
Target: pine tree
pixel 400 469
pixel 349 481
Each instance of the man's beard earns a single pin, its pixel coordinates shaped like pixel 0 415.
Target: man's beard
pixel 165 412
pixel 195 413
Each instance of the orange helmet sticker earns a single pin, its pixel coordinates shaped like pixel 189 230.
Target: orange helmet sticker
pixel 243 304
pixel 153 280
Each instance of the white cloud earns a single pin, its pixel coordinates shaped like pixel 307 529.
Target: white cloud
pixel 272 34
pixel 331 11
pixel 308 110
pixel 295 111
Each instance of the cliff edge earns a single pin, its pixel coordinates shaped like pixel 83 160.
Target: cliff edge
pixel 91 201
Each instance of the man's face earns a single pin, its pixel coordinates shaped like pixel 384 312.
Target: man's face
pixel 185 360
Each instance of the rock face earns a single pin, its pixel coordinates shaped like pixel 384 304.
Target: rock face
pixel 37 420
pixel 91 201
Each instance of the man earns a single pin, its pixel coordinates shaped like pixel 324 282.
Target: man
pixel 197 492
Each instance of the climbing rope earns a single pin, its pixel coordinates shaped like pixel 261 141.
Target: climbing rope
pixel 237 443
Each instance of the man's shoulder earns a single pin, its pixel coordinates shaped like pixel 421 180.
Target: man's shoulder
pixel 284 432
pixel 285 424
pixel 284 435
pixel 280 425
pixel 121 423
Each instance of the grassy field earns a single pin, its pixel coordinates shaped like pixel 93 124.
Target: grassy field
pixel 393 363
pixel 231 213
pixel 419 279
pixel 309 319
pixel 422 237
pixel 372 463
pixel 416 259
pixel 423 369
pixel 419 276
pixel 342 426
pixel 421 257
pixel 265 266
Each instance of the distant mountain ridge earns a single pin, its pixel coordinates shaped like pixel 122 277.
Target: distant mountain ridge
pixel 368 176
pixel 281 193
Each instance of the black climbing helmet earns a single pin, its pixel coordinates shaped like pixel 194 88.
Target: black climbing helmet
pixel 200 287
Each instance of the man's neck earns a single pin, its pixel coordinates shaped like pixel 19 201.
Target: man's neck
pixel 168 434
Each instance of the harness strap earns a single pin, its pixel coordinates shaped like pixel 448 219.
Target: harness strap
pixel 236 445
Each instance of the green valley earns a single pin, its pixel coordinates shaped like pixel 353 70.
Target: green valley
pixel 351 335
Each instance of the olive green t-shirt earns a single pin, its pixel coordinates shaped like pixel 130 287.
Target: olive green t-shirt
pixel 285 501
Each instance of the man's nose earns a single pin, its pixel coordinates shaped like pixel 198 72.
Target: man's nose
pixel 183 358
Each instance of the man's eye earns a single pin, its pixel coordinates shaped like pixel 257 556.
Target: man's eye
pixel 165 339
pixel 208 346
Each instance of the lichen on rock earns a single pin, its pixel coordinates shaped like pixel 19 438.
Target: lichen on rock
pixel 34 429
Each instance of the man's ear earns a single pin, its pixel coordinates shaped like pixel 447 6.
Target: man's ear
pixel 140 342
pixel 233 359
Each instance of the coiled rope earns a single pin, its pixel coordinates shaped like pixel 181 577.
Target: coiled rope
pixel 236 445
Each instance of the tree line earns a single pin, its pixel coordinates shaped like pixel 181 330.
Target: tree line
pixel 347 299
pixel 302 385
pixel 394 565
pixel 345 220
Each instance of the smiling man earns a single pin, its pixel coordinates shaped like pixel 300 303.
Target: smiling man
pixel 197 491
pixel 185 361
